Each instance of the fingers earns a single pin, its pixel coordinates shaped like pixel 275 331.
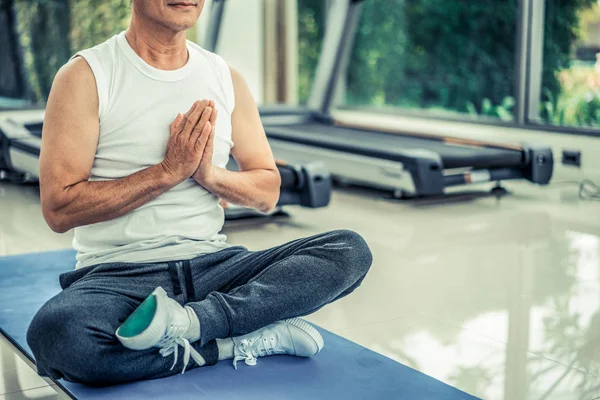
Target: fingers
pixel 208 150
pixel 176 124
pixel 213 117
pixel 191 125
pixel 206 114
pixel 199 128
pixel 192 120
pixel 187 114
pixel 204 137
pixel 202 103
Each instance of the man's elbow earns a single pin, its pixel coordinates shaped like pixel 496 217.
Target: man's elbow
pixel 57 222
pixel 272 198
pixel 56 205
pixel 270 204
pixel 53 211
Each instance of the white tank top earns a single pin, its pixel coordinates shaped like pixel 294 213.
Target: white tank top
pixel 137 103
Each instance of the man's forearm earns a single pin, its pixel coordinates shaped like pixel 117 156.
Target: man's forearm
pixel 257 188
pixel 89 202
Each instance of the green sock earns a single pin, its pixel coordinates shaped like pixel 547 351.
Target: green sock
pixel 140 318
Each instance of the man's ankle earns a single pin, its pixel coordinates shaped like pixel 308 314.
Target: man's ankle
pixel 225 347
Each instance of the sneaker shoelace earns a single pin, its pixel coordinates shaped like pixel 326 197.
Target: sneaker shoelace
pixel 170 343
pixel 251 349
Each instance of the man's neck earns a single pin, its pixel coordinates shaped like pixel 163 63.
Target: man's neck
pixel 157 46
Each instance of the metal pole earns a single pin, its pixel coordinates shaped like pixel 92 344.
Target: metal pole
pixel 214 25
pixel 536 60
pixel 521 61
pixel 342 18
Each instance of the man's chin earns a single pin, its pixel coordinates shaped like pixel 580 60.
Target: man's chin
pixel 179 26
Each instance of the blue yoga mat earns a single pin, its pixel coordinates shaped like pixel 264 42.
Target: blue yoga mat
pixel 343 370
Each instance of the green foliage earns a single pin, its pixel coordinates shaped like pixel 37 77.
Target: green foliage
pixel 560 32
pixel 435 54
pixel 51 31
pixel 94 21
pixel 447 56
pixel 579 101
pixel 571 108
pixel 502 110
pixel 43 27
pixel 311 20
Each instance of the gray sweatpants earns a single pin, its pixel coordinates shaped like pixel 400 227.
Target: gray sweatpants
pixel 233 292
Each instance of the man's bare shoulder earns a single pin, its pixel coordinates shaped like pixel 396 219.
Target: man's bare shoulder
pixel 76 70
pixel 240 88
pixel 235 74
pixel 238 80
pixel 74 82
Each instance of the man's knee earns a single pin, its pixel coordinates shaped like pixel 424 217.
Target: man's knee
pixel 47 326
pixel 60 344
pixel 356 257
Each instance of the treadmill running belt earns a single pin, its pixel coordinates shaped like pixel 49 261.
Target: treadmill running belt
pixel 386 145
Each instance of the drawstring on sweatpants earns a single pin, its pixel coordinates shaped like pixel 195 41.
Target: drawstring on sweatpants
pixel 174 278
pixel 187 276
pixel 189 283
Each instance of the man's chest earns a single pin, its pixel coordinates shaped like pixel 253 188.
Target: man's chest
pixel 135 130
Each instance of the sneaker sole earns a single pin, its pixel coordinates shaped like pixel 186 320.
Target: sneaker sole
pixel 309 330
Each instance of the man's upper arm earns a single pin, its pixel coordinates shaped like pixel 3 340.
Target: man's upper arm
pixel 251 150
pixel 70 136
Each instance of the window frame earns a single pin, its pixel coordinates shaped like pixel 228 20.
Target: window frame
pixel 528 74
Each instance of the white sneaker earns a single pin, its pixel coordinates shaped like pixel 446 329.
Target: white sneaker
pixel 293 336
pixel 160 322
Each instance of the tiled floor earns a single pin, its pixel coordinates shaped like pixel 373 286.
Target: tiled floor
pixel 500 298
pixel 18 379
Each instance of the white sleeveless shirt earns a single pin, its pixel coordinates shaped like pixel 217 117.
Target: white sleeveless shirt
pixel 137 103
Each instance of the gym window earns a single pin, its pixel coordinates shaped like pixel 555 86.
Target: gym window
pixel 518 63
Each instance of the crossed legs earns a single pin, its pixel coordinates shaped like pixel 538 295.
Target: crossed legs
pixel 73 334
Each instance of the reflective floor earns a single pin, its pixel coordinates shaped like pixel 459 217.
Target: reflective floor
pixel 500 298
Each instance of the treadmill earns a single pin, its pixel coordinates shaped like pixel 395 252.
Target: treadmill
pixel 411 164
